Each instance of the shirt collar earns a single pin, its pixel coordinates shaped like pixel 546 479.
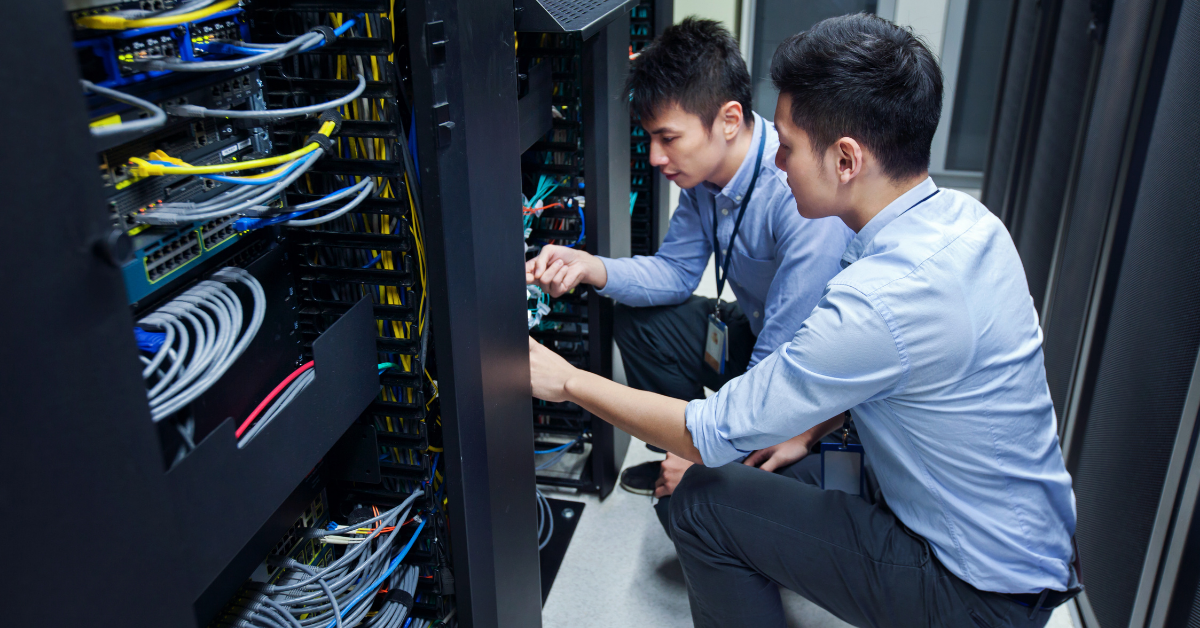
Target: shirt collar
pixel 894 210
pixel 741 179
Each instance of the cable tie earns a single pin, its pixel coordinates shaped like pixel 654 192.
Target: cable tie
pixel 332 115
pixel 324 141
pixel 401 597
pixel 325 32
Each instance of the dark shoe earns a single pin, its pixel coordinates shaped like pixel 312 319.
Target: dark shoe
pixel 640 478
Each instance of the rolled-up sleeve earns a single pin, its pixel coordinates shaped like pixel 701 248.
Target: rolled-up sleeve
pixel 845 353
pixel 669 276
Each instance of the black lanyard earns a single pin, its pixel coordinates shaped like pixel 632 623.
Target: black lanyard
pixel 722 268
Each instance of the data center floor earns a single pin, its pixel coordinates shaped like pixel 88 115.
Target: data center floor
pixel 621 570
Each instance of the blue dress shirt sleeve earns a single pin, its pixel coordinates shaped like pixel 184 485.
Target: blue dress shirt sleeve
pixel 807 261
pixel 670 276
pixel 845 353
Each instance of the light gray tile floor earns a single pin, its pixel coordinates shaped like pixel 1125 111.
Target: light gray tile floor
pixel 621 570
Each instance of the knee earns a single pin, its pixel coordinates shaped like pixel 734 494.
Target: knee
pixel 700 485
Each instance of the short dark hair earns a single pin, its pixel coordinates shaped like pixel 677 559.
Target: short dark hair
pixel 863 77
pixel 696 64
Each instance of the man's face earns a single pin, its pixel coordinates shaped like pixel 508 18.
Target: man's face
pixel 681 146
pixel 811 176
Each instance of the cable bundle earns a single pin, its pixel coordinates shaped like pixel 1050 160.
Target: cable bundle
pixel 203 336
pixel 342 592
pixel 279 398
pixel 545 520
pixel 181 14
pixel 257 53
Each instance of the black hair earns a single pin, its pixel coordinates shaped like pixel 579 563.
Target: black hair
pixel 696 64
pixel 863 77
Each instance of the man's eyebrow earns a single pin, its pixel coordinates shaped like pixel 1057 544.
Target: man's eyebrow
pixel 660 130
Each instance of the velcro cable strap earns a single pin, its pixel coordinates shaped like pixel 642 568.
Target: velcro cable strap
pixel 331 115
pixel 324 141
pixel 326 32
pixel 400 596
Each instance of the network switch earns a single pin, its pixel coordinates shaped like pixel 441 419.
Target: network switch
pixel 116 59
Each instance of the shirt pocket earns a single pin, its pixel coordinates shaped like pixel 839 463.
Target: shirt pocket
pixel 753 275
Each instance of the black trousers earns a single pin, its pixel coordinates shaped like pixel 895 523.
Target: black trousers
pixel 662 348
pixel 741 533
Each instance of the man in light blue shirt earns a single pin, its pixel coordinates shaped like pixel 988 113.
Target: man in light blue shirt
pixel 928 336
pixel 692 92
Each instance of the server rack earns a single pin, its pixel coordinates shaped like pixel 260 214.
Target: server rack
pixel 200 524
pixel 1121 344
pixel 649 211
pixel 584 154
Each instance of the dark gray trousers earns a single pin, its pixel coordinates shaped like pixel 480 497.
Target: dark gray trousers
pixel 662 348
pixel 741 533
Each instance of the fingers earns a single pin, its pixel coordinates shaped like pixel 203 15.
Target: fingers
pixel 550 277
pixel 569 279
pixel 754 459
pixel 664 487
pixel 540 262
pixel 771 464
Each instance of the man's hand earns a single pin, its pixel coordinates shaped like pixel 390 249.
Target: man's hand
pixel 558 269
pixel 548 373
pixel 781 455
pixel 673 469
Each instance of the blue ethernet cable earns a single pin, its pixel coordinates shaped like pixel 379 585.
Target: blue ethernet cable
pixel 556 449
pixel 384 576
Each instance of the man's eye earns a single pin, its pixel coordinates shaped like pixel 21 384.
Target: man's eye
pixel 668 140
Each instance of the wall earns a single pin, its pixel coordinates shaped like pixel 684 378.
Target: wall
pixel 725 11
pixel 927 19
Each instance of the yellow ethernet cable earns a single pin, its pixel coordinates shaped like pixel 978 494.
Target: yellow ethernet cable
pixel 116 23
pixel 143 168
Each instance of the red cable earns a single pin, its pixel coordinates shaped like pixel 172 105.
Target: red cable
pixel 274 393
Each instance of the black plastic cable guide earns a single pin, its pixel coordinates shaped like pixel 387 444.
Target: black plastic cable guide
pixel 393 207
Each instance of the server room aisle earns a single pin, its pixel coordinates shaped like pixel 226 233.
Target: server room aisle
pixel 621 570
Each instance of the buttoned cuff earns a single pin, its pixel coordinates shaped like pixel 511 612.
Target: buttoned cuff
pixel 612 268
pixel 714 448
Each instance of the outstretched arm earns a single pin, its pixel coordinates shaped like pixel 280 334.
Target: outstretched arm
pixel 653 418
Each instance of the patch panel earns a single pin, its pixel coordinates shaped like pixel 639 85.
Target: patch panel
pixel 171 256
pixel 163 254
pixel 294 545
pixel 215 233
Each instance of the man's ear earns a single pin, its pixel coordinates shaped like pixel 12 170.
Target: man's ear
pixel 729 119
pixel 848 159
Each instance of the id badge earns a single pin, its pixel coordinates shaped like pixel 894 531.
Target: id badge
pixel 842 468
pixel 716 349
